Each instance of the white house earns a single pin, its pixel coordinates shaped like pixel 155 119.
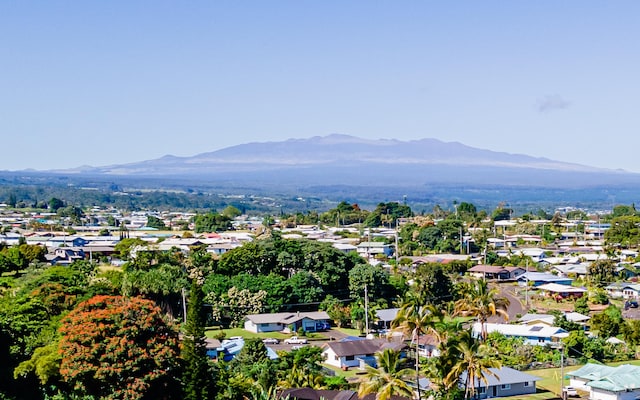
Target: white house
pixel 537 334
pixel 623 290
pixel 368 249
pixel 356 353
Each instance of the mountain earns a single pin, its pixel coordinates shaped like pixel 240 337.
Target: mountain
pixel 347 160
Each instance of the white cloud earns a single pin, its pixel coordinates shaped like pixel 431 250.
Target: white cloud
pixel 552 102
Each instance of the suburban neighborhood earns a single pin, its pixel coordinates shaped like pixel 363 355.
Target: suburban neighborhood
pixel 355 298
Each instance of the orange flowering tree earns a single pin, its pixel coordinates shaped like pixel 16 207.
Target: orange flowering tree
pixel 119 348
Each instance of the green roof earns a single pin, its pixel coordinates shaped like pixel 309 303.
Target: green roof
pixel 613 379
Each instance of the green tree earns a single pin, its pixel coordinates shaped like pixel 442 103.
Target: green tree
pixel 607 323
pixel 55 204
pixel 474 362
pixel 387 213
pixel 197 379
pixel 375 278
pixel 235 304
pixel 389 379
pixel 211 222
pixel 582 306
pixel 624 231
pixel 432 281
pixel 301 368
pixel 601 272
pixel 116 347
pixel 155 222
pixel 231 212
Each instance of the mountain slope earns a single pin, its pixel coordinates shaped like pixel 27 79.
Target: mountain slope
pixel 342 159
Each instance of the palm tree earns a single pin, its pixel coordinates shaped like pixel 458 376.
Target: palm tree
pixel 474 359
pixel 413 318
pixel 481 302
pixel 388 379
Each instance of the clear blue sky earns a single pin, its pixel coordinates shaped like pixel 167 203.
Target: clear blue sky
pixel 109 82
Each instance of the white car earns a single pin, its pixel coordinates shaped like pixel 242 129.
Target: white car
pixel 295 340
pixel 570 391
pixel 270 341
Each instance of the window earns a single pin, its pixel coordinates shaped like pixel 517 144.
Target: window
pixel 526 384
pixel 350 358
pixel 482 390
pixel 505 387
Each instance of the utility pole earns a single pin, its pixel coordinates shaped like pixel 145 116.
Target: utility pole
pixel 526 287
pixel 562 371
pixel 184 305
pixel 366 310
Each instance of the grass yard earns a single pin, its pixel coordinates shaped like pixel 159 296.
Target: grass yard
pixel 551 376
pixel 213 332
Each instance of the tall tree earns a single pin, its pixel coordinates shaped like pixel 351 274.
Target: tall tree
pixel 197 378
pixel 473 362
pixel 413 318
pixel 116 347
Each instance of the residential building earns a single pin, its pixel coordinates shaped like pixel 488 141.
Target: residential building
pixel 357 353
pixel 287 321
pixel 537 334
pixel 607 383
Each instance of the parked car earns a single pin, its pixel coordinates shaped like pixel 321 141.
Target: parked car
pixel 270 340
pixel 295 340
pixel 322 326
pixel 570 391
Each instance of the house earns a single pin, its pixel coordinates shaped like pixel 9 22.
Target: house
pixel 368 249
pixel 540 278
pixel 428 346
pixel 221 248
pixel 345 247
pixel 385 316
pixel 495 272
pixel 10 238
pixel 287 321
pixel 64 255
pixel 607 383
pixel 577 270
pixel 357 353
pixel 558 291
pixel 624 290
pixel 213 346
pixel 537 334
pixel 549 320
pixel 315 394
pixel 503 382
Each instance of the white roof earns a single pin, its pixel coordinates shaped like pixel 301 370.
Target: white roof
pixel 558 288
pixel 536 330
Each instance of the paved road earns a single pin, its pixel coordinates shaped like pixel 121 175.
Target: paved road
pixel 515 308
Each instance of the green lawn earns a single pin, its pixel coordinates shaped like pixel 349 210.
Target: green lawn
pixel 551 376
pixel 213 332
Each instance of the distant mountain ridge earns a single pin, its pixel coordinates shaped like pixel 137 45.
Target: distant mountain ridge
pixel 343 159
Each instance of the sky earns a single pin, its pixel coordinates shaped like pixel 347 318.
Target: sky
pixel 111 82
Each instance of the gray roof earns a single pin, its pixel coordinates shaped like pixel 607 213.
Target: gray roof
pixel 286 317
pixel 504 376
pixel 387 314
pixel 362 347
